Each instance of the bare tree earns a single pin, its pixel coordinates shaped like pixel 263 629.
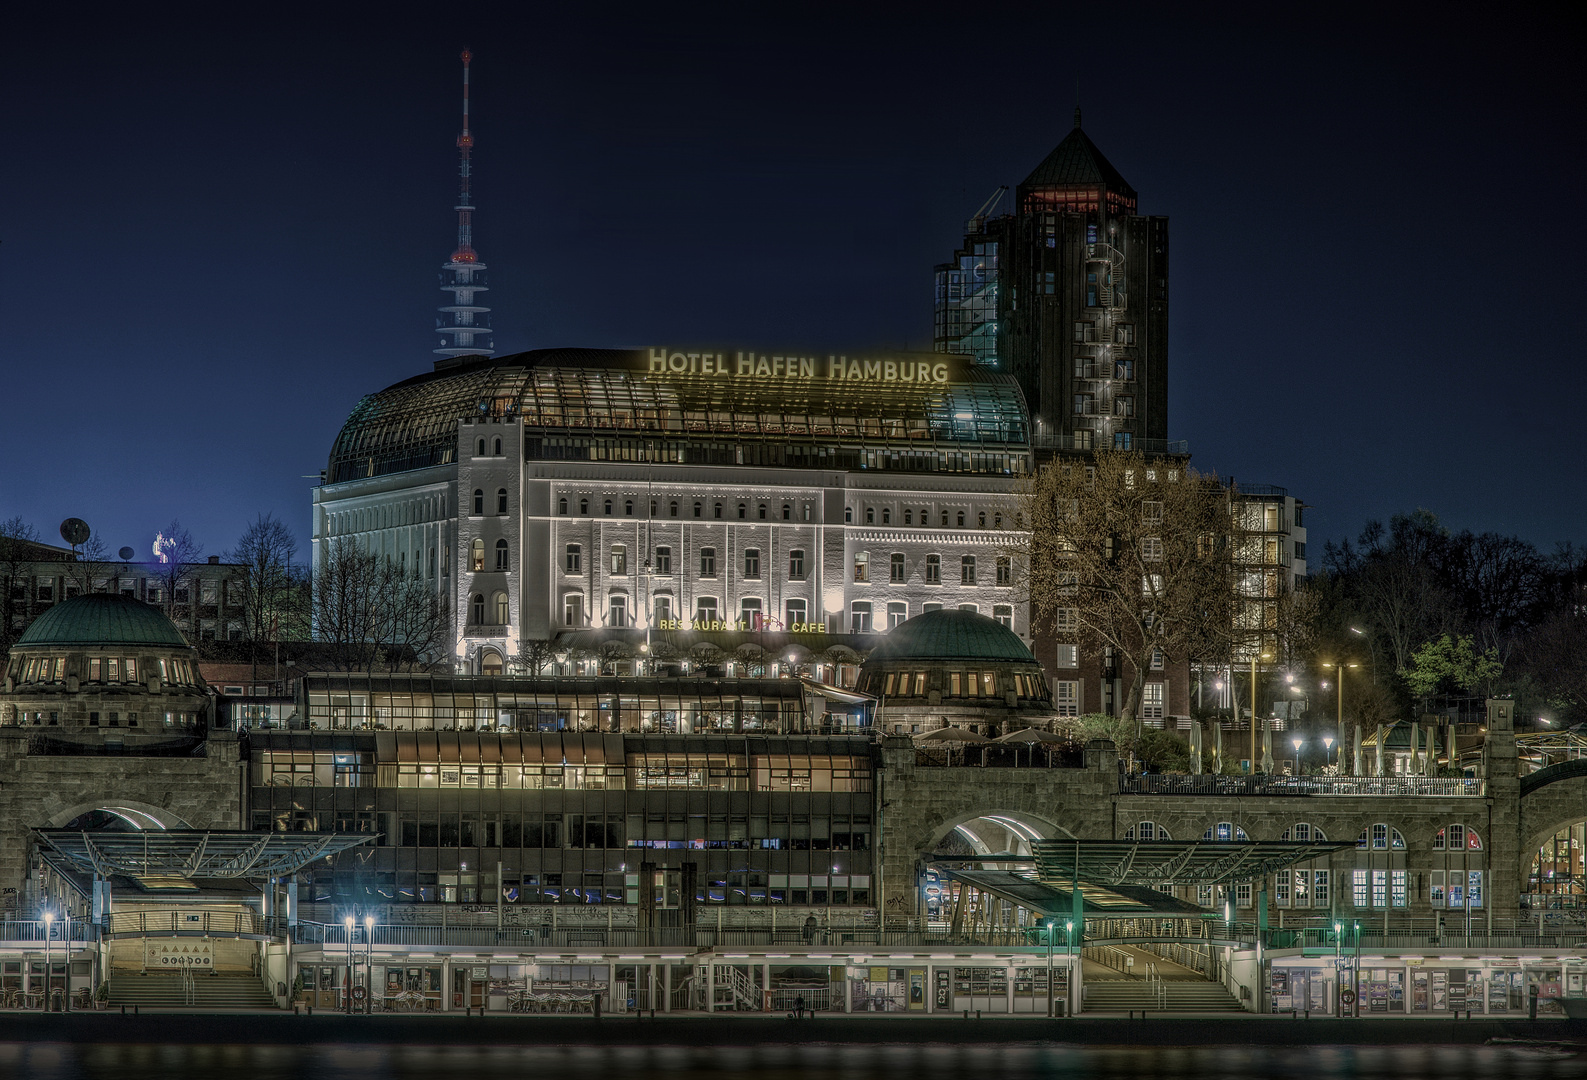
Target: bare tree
pixel 18 551
pixel 176 554
pixel 1135 555
pixel 533 656
pixel 370 614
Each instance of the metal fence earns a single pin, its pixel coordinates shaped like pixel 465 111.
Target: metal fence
pixel 1224 786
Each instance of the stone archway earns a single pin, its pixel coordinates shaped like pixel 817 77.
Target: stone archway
pixel 1552 799
pixel 138 815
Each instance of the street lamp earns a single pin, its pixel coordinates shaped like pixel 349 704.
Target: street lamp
pixel 1264 656
pixel 49 921
pixel 1297 741
pixel 1328 745
pixel 369 961
pixel 348 922
pixel 1050 929
pixel 1340 666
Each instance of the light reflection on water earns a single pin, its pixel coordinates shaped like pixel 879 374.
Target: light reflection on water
pixel 1013 1061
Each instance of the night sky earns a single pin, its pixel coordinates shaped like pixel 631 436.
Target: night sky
pixel 218 230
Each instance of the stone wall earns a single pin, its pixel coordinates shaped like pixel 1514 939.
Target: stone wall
pixel 41 791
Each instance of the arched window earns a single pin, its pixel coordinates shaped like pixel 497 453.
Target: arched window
pixel 476 550
pixel 479 501
pixel 909 516
pixel 787 512
pixel 501 500
pixel 763 511
pixel 672 508
pixel 848 515
pixel 1379 879
pixel 1306 884
pixel 997 521
pixel 608 508
pixel 743 511
pixel 697 507
pixel 562 506
pixel 1458 868
pixel 652 507
pixel 945 519
pixel 961 519
pixel 1146 830
pixel 476 609
pixel 498 603
pixel 490 662
pixel 980 519
pixel 584 506
pixel 887 515
pixel 479 448
pixel 1224 830
pixel 501 555
pixel 495 446
pixel 628 508
pixel 716 510
pixel 870 515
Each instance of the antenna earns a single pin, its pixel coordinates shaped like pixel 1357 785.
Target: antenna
pixel 75 531
pixel 462 321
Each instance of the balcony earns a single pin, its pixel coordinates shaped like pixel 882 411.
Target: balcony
pixel 1376 786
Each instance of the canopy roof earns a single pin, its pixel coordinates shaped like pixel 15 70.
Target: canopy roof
pixel 1051 901
pixel 1113 863
pixel 193 853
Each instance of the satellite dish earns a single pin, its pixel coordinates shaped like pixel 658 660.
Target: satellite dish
pixel 126 554
pixel 75 531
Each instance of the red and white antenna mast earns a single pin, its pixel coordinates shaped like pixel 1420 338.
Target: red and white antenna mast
pixel 463 325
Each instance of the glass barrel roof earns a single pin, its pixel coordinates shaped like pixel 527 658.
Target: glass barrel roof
pixel 918 399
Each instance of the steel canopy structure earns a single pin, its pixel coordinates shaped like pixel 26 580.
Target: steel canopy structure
pixel 1155 863
pixel 1057 901
pixel 191 853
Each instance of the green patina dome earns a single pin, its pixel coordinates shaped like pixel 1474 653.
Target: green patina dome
pixel 103 619
pixel 952 635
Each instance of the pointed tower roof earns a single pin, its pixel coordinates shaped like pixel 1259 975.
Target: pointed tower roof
pixel 1077 162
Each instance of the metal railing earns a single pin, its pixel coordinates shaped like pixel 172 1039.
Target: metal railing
pixel 1034 756
pixel 179 923
pixel 1164 784
pixel 79 930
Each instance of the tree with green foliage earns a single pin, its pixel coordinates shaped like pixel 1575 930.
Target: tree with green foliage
pixel 1447 662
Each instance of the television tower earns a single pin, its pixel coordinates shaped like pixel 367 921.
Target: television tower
pixel 464 326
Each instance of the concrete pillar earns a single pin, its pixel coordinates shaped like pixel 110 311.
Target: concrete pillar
pixel 666 986
pixel 446 985
pixel 710 983
pixel 1009 988
pixel 847 990
pixel 765 987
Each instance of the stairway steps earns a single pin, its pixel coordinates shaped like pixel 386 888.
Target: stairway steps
pixel 210 991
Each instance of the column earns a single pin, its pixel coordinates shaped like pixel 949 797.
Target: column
pixel 765 986
pixel 666 985
pixel 446 984
pixel 1009 990
pixel 710 983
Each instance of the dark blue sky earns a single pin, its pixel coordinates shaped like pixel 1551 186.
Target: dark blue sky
pixel 220 229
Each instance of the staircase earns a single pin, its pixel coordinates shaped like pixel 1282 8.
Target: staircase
pixel 1187 996
pixel 208 991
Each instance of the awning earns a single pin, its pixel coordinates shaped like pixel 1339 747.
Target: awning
pixel 193 853
pixel 1052 902
pixel 1170 862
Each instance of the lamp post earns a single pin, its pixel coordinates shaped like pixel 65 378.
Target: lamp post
pixel 348 922
pixel 1296 741
pixel 1050 929
pixel 1339 667
pixel 369 960
pixel 1328 745
pixel 49 921
pixel 1264 656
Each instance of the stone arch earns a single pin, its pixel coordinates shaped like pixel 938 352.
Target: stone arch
pixel 1554 800
pixel 139 814
pixel 1019 822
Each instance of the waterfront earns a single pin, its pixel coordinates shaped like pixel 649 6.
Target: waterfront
pixel 777 1061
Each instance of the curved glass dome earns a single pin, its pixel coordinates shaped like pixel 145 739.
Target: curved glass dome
pixel 103 619
pixel 951 635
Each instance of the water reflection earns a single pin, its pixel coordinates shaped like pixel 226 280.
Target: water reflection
pixel 1014 1061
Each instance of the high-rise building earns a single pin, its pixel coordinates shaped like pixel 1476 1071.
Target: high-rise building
pixel 1069 294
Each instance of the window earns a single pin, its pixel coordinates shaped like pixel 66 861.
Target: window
pixel 697 507
pixel 909 516
pixel 796 565
pixel 495 446
pixel 574 563
pixel 895 569
pixel 501 555
pixel 705 609
pixel 1005 571
pixel 664 561
pixel 708 562
pixel 628 508
pixel 672 509
pixel 476 609
pixel 501 500
pixel 479 448
pixel 1148 831
pixel 1382 838
pixel 944 519
pixel 752 564
pixel 1152 701
pixel 617 610
pixel 887 515
pixel 1123 440
pixel 1151 511
pixel 1083 405
pixel 870 515
pixel 796 614
pixel 619 560
pixel 1066 697
pixel 499 603
pixel 1123 406
pixel 1152 548
pixel 933 569
pixel 479 501
pixel 716 510
pixel 1004 613
pixel 1068 656
pixel 897 612
pixel 848 515
pixel 749 613
pixel 980 519
pixel 584 506
pixel 476 552
pixel 1124 369
pixel 860 617
pixel 961 519
pixel 663 609
pixel 967 570
pixel 969 607
pixel 862 566
pixel 787 512
pixel 1224 831
pixel 1456 838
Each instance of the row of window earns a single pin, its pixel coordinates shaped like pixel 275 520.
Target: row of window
pixel 751 613
pixel 113 718
pixel 106 669
pixel 962 684
pixel 1376 837
pixel 958 519
pixel 763 511
pixel 897 564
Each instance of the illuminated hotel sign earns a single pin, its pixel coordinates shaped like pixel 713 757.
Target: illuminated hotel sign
pixel 750 365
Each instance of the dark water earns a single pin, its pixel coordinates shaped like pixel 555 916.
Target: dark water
pixel 60 1061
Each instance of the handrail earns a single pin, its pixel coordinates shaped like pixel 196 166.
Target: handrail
pixel 1223 786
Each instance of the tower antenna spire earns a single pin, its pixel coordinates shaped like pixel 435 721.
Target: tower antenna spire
pixel 463 325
